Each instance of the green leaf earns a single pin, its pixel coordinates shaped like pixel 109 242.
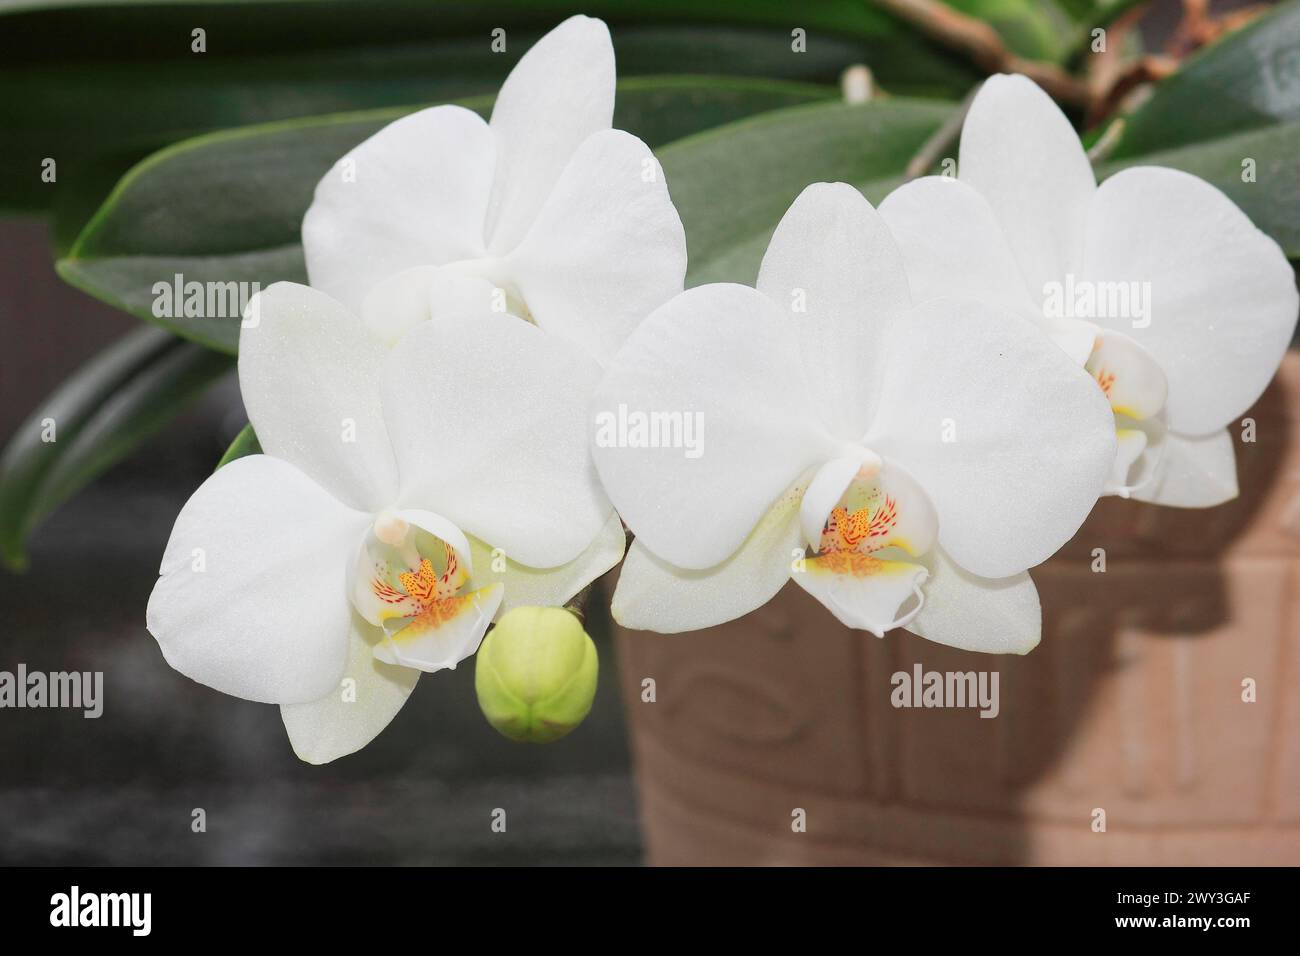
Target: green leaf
pixel 1247 81
pixel 115 82
pixel 228 207
pixel 101 413
pixel 245 443
pixel 732 185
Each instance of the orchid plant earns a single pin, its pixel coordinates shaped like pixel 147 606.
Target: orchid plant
pixel 905 412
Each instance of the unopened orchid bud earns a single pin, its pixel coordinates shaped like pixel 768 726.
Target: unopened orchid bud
pixel 535 674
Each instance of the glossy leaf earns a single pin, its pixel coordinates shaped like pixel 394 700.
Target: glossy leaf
pixel 1246 81
pixel 114 82
pixel 731 185
pixel 105 410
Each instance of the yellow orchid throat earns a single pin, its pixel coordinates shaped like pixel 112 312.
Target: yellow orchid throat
pixel 413 585
pixel 426 598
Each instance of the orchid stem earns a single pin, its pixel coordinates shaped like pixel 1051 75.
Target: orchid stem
pixel 1106 143
pixel 982 45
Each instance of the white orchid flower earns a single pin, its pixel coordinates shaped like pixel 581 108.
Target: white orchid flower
pixel 1154 280
pixel 405 496
pixel 545 212
pixel 916 450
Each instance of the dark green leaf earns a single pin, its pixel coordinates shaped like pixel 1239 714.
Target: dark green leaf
pixel 731 185
pixel 121 81
pixel 99 415
pixel 1247 81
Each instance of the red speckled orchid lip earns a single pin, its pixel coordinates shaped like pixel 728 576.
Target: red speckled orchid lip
pixel 412 578
pixel 866 521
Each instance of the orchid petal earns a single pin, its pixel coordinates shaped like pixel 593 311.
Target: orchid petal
pixel 726 355
pixel 252 597
pixel 1022 154
pixel 1076 337
pixel 1223 300
pixel 559 93
pixel 548 587
pixel 989 615
pixel 1011 441
pixel 1195 472
pixel 352 714
pixel 402 301
pixel 1131 442
pixel 488 419
pixel 413 194
pixel 452 293
pixel 954 247
pixel 835 272
pixel 606 249
pixel 307 371
pixel 654 595
pixel 399 303
pixel 865 592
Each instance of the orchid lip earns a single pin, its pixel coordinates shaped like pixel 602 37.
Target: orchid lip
pixel 865 521
pixel 863 503
pixel 411 579
pixel 842 603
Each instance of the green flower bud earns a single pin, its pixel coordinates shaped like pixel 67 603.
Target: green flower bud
pixel 535 674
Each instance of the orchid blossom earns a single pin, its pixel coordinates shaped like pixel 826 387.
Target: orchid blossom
pixel 1154 281
pixel 544 212
pixel 890 458
pixel 406 495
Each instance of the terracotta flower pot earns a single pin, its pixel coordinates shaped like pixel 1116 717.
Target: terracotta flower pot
pixel 1132 704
